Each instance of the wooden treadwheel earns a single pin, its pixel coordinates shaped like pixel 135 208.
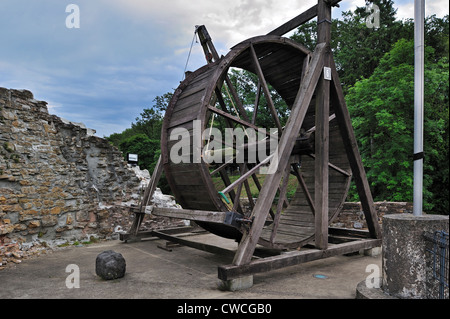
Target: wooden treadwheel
pixel 208 97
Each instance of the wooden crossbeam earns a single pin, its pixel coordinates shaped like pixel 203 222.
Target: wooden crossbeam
pixel 230 272
pixel 194 215
pixel 302 18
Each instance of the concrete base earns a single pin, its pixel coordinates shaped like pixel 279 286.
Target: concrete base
pixel 404 263
pixel 236 284
pixel 373 252
pixel 364 292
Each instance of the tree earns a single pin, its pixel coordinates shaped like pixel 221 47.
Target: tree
pixel 143 146
pixel 357 49
pixel 150 120
pixel 382 113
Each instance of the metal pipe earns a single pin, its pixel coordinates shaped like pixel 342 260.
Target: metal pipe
pixel 419 52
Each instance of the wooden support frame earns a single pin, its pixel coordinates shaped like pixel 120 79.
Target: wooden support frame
pixel 328 241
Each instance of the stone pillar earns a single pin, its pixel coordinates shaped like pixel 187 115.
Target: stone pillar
pixel 404 264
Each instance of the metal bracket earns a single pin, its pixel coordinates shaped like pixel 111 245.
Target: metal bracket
pixel 236 220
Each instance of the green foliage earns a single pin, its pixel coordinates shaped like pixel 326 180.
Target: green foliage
pixel 382 110
pixel 358 49
pixel 143 146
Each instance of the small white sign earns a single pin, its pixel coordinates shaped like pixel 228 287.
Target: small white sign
pixel 327 73
pixel 132 157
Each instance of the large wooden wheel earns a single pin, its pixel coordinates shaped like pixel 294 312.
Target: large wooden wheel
pixel 208 97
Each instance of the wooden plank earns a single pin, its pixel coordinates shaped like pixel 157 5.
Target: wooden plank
pixel 291 259
pixel 193 244
pixel 287 141
pixel 194 215
pixel 149 234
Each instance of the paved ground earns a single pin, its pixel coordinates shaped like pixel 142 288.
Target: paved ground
pixel 184 273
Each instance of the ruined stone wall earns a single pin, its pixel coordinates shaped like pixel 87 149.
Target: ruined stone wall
pixel 56 180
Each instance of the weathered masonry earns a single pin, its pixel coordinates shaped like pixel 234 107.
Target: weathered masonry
pixel 57 181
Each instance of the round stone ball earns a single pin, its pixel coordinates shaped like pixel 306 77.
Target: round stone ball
pixel 110 265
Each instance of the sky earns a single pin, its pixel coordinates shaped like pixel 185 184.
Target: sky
pixel 125 53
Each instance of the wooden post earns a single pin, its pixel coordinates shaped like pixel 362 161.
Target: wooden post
pixel 322 131
pixel 321 164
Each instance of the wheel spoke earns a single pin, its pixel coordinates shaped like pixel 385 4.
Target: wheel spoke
pixel 336 168
pixel 238 120
pixel 266 90
pixel 313 129
pixel 238 102
pixel 257 99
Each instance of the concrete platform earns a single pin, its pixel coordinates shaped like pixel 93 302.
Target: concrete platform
pixel 183 273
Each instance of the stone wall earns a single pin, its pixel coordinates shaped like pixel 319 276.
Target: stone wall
pixel 57 181
pixel 352 215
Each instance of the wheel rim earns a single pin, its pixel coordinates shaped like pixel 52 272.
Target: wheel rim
pixel 207 97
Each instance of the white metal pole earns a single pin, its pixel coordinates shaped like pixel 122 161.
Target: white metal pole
pixel 419 50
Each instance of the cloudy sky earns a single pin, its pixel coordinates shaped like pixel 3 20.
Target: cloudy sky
pixel 127 52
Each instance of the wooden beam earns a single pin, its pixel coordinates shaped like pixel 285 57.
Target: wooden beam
pixel 193 244
pixel 265 87
pixel 238 120
pixel 194 215
pixel 150 191
pixel 247 175
pixel 321 164
pixel 209 48
pixel 148 234
pixel 250 239
pixel 354 157
pixel 334 167
pixel 294 258
pixel 304 17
